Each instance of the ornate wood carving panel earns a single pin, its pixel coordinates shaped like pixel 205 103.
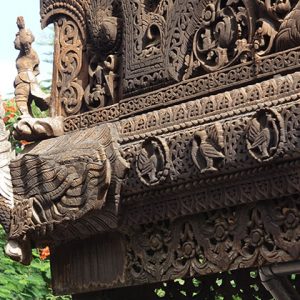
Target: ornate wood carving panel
pixel 181 146
pixel 215 241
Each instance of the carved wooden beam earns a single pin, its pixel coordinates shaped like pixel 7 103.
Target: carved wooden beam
pixel 180 153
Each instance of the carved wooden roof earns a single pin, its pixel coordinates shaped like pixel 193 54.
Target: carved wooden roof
pixel 180 153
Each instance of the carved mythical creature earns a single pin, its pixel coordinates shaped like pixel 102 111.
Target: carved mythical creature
pixel 105 32
pixel 64 181
pixel 289 31
pixel 27 63
pixel 264 36
pixel 208 143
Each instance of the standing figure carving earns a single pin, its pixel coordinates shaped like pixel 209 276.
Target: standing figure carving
pixel 28 90
pixel 105 28
pixel 27 63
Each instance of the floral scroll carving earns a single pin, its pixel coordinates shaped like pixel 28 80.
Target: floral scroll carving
pixel 215 241
pixel 69 87
pixel 224 35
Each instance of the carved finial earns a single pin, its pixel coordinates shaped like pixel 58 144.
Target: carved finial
pixel 26 86
pixel 27 89
pixel 21 23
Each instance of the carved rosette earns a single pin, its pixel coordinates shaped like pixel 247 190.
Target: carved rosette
pixel 153 161
pixel 265 135
pixel 215 241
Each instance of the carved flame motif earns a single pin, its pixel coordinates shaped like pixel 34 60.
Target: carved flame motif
pixel 265 135
pixel 207 148
pixel 153 162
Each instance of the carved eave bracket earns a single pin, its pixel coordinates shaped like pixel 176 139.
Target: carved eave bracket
pixel 69 71
pixel 67 187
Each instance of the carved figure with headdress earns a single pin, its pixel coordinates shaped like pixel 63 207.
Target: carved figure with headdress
pixel 26 86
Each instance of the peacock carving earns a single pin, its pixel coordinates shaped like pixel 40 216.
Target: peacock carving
pixel 263 135
pixel 289 31
pixel 104 26
pixel 153 164
pixel 207 148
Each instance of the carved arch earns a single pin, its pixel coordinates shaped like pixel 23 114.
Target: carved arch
pixel 69 71
pixel 74 9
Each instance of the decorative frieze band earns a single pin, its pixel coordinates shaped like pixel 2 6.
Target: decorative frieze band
pixel 215 241
pixel 261 68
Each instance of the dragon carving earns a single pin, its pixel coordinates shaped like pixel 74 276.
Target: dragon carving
pixel 58 188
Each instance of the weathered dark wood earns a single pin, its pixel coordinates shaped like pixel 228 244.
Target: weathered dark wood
pixel 131 293
pixel 180 148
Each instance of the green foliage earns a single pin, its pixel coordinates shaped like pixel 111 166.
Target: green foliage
pixel 37 113
pixel 18 282
pixel 11 116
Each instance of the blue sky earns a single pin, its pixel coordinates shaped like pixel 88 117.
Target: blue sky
pixel 29 9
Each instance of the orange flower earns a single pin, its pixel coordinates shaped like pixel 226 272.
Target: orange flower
pixel 11 109
pixel 23 142
pixel 44 253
